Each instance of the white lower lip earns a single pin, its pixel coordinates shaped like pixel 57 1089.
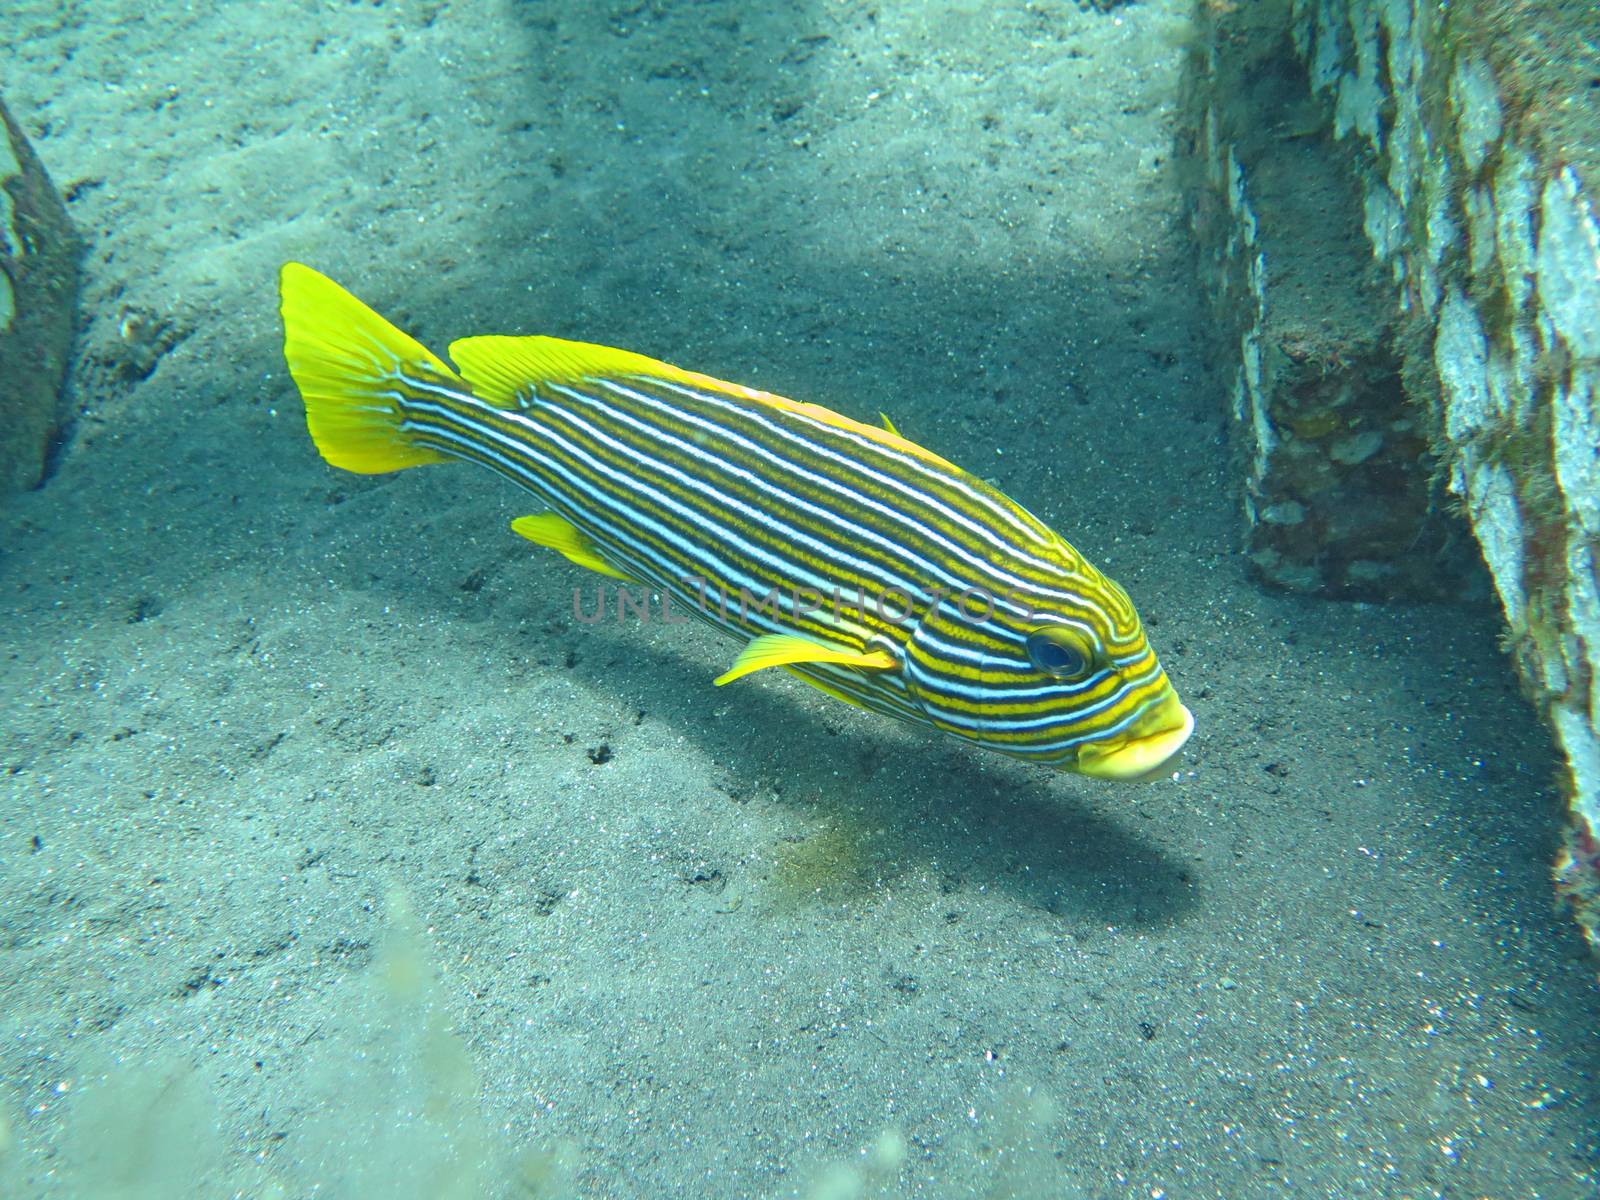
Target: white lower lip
pixel 1145 758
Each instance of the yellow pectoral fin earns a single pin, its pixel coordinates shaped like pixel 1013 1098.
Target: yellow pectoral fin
pixel 781 649
pixel 562 536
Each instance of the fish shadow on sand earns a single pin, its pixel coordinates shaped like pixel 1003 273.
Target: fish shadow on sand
pixel 896 802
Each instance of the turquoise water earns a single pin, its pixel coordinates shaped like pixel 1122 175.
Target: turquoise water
pixel 339 859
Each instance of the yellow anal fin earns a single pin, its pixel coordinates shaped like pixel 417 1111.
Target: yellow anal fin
pixel 561 535
pixel 346 361
pixel 889 425
pixel 780 649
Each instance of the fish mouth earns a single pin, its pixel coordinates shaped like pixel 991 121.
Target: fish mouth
pixel 1142 752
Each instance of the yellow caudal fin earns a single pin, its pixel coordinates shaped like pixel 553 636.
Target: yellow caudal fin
pixel 347 361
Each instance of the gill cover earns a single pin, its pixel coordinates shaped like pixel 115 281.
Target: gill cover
pixel 1045 693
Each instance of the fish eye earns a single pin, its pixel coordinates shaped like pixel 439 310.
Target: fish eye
pixel 1060 652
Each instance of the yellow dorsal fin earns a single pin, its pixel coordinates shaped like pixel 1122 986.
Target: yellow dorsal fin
pixel 888 424
pixel 504 370
pixel 559 534
pixel 780 649
pixel 345 359
pixel 887 436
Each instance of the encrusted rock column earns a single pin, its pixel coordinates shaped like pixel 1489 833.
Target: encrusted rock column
pixel 39 264
pixel 1340 489
pixel 1470 134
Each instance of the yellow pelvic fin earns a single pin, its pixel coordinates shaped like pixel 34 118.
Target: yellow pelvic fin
pixel 561 535
pixel 780 649
pixel 827 689
pixel 888 424
pixel 344 359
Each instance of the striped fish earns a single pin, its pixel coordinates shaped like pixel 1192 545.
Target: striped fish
pixel 864 564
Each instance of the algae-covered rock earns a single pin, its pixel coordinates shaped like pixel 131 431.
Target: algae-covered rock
pixel 1469 136
pixel 1342 494
pixel 39 261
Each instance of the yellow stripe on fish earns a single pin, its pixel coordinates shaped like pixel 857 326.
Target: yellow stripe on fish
pixel 857 560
